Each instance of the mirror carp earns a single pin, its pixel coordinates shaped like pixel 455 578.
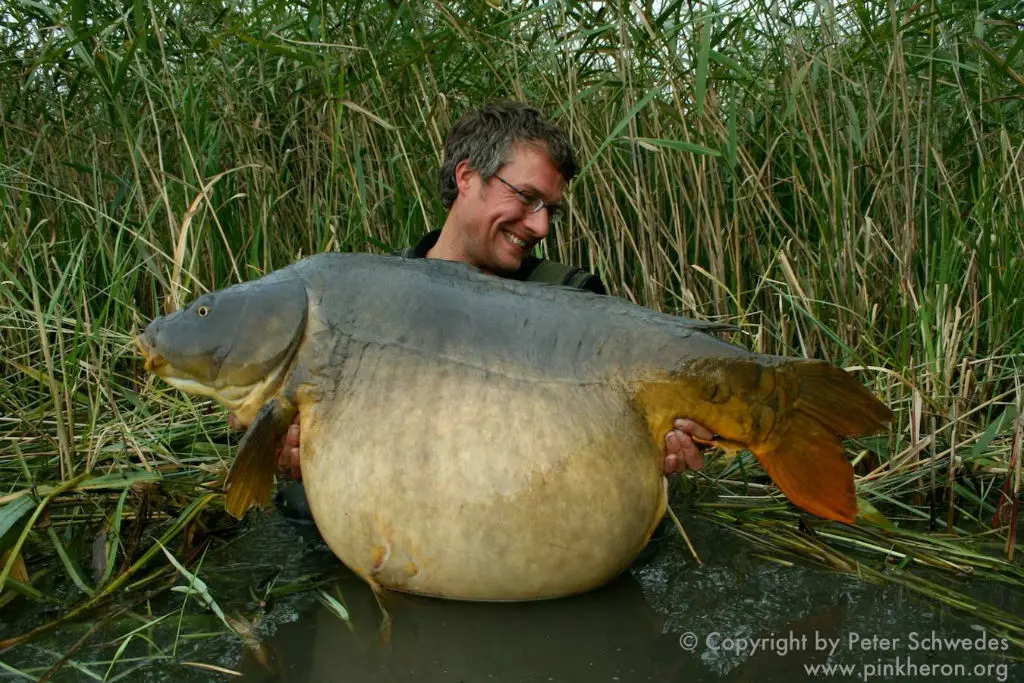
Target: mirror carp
pixel 472 437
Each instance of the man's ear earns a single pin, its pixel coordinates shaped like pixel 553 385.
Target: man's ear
pixel 464 176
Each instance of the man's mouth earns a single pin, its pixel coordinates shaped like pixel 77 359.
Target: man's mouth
pixel 522 244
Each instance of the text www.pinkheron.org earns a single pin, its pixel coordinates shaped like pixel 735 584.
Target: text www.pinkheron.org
pixel 903 666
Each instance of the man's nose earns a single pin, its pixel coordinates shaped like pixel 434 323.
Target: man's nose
pixel 538 223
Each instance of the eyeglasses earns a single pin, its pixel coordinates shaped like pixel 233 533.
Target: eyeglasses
pixel 534 203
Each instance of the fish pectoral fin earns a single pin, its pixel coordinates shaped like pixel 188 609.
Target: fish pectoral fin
pixel 252 475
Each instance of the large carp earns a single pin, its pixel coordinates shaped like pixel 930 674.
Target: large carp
pixel 472 437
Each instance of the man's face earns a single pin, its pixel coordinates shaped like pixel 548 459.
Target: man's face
pixel 497 228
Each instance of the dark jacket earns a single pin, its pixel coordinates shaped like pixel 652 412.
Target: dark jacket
pixel 533 269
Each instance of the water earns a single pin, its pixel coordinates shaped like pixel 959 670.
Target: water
pixel 737 617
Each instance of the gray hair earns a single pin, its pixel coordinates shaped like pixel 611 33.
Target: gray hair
pixel 486 135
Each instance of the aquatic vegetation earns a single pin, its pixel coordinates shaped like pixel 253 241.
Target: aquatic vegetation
pixel 843 184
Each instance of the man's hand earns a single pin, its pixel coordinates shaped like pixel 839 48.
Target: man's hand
pixel 288 453
pixel 287 448
pixel 681 451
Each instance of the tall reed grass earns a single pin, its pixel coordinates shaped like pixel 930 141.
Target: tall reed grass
pixel 839 180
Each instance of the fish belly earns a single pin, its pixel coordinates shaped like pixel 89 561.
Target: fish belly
pixel 439 478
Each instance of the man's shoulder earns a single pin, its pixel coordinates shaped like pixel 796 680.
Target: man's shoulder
pixel 421 248
pixel 554 273
pixel 534 269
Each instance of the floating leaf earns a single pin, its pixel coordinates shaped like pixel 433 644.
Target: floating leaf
pixel 196 587
pixel 333 604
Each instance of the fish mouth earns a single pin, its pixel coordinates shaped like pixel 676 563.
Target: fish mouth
pixel 154 361
pixel 236 398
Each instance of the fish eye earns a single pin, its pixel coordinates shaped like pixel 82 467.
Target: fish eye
pixel 203 311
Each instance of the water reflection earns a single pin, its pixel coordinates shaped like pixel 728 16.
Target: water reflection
pixel 611 634
pixel 739 617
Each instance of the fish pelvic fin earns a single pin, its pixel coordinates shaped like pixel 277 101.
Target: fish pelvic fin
pixel 791 414
pixel 252 475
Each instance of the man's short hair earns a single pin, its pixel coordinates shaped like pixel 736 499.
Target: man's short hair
pixel 486 135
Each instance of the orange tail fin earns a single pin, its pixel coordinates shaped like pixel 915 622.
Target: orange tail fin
pixel 810 467
pixel 805 455
pixel 792 414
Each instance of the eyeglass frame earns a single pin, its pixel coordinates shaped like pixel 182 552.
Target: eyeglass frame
pixel 555 211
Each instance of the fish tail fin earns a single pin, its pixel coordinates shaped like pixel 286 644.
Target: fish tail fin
pixel 833 397
pixel 791 414
pixel 251 478
pixel 809 466
pixel 804 455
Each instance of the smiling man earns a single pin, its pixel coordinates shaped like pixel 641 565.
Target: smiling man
pixel 503 178
pixel 504 173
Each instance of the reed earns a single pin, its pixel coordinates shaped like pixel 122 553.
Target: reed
pixel 841 181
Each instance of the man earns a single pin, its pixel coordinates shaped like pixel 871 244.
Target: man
pixel 504 172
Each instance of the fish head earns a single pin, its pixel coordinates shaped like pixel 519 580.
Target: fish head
pixel 233 345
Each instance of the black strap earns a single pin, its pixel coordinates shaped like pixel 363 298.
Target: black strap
pixel 533 270
pixel 552 272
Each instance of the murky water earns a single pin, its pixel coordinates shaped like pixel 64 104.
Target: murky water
pixel 737 617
